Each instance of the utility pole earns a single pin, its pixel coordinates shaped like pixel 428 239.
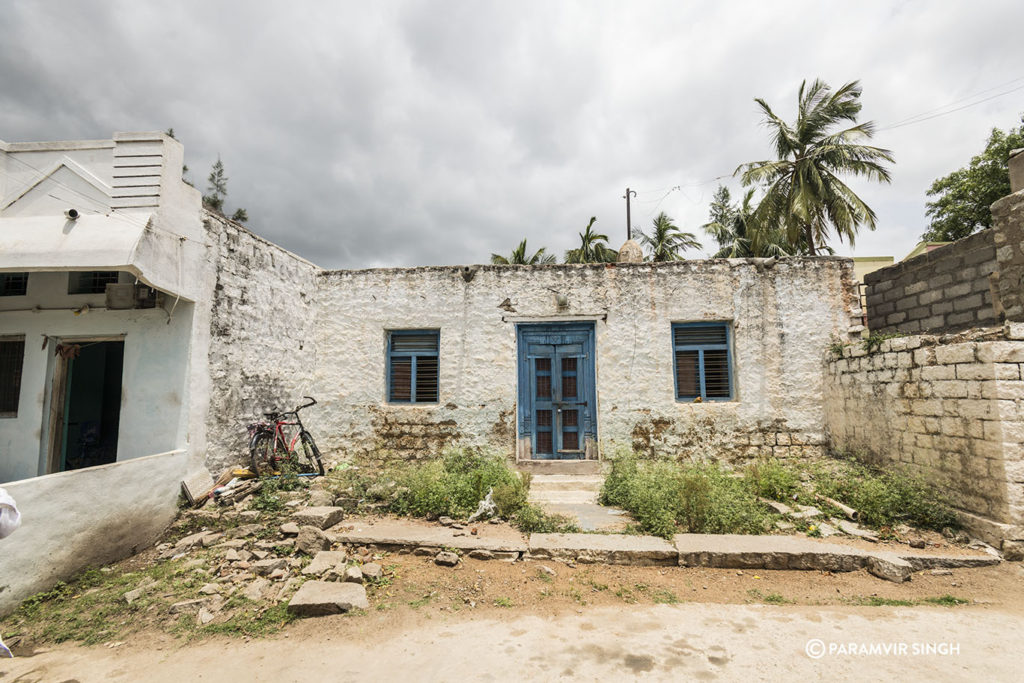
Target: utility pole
pixel 629 223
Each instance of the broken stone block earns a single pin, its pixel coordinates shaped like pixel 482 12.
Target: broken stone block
pixel 188 606
pixel 1013 551
pixel 249 516
pixel 210 589
pixel 290 529
pixel 320 498
pixel 260 554
pixel 784 526
pixel 320 517
pixel 827 530
pixel 372 571
pixel 424 552
pixel 244 531
pixel 446 559
pixel 205 616
pixel 917 543
pixel 890 568
pixel 271 564
pixel 806 512
pixel 325 560
pixel 311 540
pixel 848 527
pixel 277 574
pixel 193 541
pixel 479 554
pixel 353 575
pixel 254 591
pixel 320 598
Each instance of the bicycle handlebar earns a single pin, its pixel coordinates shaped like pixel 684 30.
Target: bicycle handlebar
pixel 275 414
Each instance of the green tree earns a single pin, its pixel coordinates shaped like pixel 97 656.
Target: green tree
pixel 739 235
pixel 519 257
pixel 217 192
pixel 803 190
pixel 666 241
pixel 593 247
pixel 218 187
pixel 964 196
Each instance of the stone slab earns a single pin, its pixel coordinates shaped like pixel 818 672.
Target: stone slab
pixel 606 549
pixel 798 552
pixel 321 598
pixel 325 560
pixel 320 517
pixel 733 551
pixel 387 533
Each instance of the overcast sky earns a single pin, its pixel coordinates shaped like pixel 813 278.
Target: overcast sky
pixel 414 133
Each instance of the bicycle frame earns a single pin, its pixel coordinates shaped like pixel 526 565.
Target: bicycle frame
pixel 274 425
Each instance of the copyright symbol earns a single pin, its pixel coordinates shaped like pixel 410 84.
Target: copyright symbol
pixel 815 648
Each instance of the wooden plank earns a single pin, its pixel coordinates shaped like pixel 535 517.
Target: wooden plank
pixel 197 485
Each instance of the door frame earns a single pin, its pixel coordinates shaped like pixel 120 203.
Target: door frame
pixel 59 390
pixel 524 402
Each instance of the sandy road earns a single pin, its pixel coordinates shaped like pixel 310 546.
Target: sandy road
pixel 680 642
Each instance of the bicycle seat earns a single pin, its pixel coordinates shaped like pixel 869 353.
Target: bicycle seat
pixel 270 416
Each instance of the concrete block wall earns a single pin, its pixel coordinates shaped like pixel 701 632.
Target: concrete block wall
pixel 948 408
pixel 944 290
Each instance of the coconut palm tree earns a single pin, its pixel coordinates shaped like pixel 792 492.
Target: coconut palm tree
pixel 803 191
pixel 593 247
pixel 666 241
pixel 520 258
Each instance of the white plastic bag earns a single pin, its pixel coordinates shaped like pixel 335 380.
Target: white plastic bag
pixel 10 518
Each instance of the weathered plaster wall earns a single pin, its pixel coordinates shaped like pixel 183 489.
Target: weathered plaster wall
pixel 782 317
pixel 948 408
pixel 74 520
pixel 262 345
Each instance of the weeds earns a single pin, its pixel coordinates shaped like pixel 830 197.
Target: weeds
pixel 886 498
pixel 504 602
pixel 665 497
pixel 770 478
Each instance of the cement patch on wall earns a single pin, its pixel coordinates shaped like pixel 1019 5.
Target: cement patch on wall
pixel 84 518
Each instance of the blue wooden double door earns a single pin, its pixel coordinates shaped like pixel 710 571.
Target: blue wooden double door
pixel 557 405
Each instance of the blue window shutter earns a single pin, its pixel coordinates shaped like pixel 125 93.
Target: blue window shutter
pixel 413 366
pixel 702 361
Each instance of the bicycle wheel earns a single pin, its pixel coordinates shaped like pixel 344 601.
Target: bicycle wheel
pixel 261 452
pixel 308 454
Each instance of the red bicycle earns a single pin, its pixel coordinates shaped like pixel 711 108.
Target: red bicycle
pixel 270 447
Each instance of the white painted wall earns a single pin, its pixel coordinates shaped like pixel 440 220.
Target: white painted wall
pixel 74 520
pixel 154 381
pixel 782 320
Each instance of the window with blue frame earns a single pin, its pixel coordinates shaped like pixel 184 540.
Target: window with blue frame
pixel 413 366
pixel 702 361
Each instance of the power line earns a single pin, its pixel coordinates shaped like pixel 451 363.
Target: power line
pixel 950 104
pixel 951 111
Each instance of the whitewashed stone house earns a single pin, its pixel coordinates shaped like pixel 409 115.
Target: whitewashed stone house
pixel 140 332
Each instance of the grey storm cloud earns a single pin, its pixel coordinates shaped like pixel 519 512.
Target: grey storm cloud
pixel 411 133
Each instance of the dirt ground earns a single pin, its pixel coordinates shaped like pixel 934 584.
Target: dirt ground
pixel 510 621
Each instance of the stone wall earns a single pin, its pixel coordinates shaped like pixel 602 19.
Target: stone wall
pixel 949 408
pixel 944 290
pixel 262 342
pixel 782 316
pixel 1008 234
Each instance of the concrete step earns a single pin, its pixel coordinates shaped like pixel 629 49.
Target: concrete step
pixel 567 482
pixel 560 466
pixel 563 497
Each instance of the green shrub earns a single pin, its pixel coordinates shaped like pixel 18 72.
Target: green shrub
pixel 666 497
pixel 772 479
pixel 886 498
pixel 531 519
